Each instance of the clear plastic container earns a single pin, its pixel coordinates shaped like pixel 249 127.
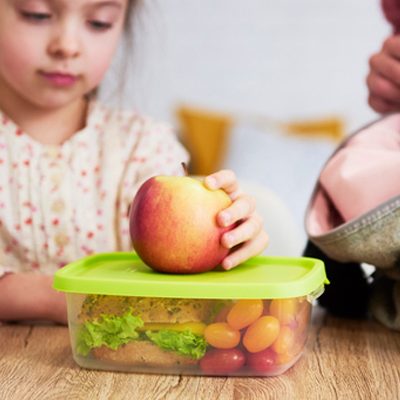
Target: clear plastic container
pixel 250 321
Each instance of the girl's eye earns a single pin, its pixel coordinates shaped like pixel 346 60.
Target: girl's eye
pixel 100 25
pixel 35 16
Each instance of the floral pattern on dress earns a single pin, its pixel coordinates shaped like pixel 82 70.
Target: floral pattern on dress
pixel 61 203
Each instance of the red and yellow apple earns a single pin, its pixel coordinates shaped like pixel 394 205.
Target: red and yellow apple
pixel 173 224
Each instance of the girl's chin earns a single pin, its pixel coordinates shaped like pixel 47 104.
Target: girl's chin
pixel 58 100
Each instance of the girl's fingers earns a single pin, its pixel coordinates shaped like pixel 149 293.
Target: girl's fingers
pixel 250 232
pixel 240 209
pixel 249 249
pixel 224 179
pixel 244 232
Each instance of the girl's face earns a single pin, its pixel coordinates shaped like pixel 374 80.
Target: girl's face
pixel 53 52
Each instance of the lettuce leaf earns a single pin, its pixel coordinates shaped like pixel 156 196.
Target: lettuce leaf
pixel 114 331
pixel 108 330
pixel 185 343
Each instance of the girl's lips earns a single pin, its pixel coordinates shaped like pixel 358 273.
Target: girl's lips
pixel 60 79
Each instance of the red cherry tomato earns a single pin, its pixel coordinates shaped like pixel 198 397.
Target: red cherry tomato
pixel 263 361
pixel 222 361
pixel 221 335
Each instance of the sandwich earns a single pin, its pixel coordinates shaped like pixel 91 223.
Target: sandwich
pixel 143 331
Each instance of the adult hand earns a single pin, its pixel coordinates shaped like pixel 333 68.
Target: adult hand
pixel 383 80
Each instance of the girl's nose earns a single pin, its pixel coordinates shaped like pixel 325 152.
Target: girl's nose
pixel 65 43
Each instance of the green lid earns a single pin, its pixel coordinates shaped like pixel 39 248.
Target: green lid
pixel 124 274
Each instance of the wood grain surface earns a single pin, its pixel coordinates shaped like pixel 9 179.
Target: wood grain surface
pixel 345 359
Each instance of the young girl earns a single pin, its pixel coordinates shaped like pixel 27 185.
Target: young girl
pixel 70 167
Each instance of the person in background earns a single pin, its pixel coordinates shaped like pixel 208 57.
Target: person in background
pixel 383 80
pixel 342 226
pixel 69 165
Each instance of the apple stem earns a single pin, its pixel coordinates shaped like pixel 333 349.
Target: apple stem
pixel 185 168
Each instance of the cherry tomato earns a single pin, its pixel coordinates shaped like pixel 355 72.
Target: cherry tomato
pixel 244 312
pixel 261 334
pixel 287 359
pixel 285 341
pixel 284 309
pixel 221 335
pixel 303 318
pixel 263 361
pixel 283 359
pixel 218 361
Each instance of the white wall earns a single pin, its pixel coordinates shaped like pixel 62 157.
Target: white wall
pixel 285 59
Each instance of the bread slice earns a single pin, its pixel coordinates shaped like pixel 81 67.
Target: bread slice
pixel 142 353
pixel 150 309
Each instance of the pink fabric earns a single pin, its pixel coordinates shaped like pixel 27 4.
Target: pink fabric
pixel 359 177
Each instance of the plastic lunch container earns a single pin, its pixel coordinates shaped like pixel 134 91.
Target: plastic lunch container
pixel 250 321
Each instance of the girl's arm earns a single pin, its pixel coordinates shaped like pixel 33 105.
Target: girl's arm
pixel 25 296
pixel 249 233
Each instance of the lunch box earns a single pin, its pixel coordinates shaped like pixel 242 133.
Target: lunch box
pixel 252 320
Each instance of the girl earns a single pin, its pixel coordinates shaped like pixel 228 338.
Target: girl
pixel 69 167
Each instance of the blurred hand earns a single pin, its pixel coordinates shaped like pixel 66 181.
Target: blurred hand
pixel 383 80
pixel 249 233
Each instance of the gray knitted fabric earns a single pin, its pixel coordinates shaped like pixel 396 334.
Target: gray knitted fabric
pixel 373 238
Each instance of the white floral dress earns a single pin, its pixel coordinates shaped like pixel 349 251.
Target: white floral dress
pixel 60 203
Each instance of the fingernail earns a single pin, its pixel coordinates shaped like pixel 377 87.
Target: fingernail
pixel 227 265
pixel 211 182
pixel 225 218
pixel 229 238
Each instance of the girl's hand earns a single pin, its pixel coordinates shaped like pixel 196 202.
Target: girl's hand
pixel 249 233
pixel 383 80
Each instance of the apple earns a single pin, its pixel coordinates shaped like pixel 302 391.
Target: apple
pixel 173 224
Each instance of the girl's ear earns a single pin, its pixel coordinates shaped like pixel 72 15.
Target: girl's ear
pixel 348 293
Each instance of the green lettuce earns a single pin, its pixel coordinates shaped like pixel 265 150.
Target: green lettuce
pixel 185 343
pixel 114 331
pixel 108 330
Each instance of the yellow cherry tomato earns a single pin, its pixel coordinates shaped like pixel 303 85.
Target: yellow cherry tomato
pixel 282 359
pixel 285 341
pixel 303 318
pixel 289 358
pixel 221 335
pixel 261 334
pixel 244 313
pixel 284 309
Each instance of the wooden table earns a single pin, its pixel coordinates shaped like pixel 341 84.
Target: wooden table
pixel 345 360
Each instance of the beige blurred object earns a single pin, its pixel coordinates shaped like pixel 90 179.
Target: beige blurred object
pixel 286 238
pixel 331 127
pixel 206 133
pixel 206 136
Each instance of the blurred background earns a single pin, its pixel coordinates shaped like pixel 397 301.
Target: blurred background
pixel 266 88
